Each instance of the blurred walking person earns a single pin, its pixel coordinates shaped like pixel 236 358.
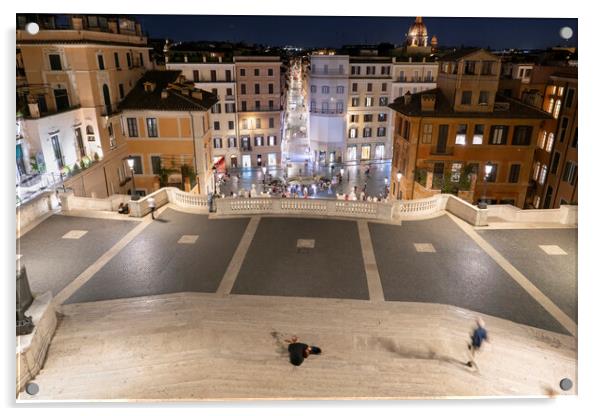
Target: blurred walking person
pixel 479 335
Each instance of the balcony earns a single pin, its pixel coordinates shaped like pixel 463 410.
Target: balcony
pixel 415 79
pixel 318 111
pixel 448 151
pixel 329 72
pixel 229 98
pixel 260 109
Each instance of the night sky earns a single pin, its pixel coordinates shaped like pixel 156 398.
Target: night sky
pixel 313 31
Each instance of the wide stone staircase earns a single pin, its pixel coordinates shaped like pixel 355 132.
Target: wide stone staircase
pixel 195 346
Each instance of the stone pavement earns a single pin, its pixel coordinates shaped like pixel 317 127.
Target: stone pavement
pixel 199 346
pixel 53 261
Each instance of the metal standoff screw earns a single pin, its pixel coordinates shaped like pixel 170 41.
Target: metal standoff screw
pixel 32 389
pixel 566 384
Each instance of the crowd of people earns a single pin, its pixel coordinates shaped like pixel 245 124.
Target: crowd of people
pixel 317 186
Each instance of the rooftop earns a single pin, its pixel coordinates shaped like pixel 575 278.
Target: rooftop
pixel 181 95
pixel 443 108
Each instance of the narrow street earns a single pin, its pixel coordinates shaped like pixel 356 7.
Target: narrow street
pixel 296 153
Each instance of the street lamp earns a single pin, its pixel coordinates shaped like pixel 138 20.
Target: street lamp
pixel 399 175
pixel 488 169
pixel 131 163
pixel 264 170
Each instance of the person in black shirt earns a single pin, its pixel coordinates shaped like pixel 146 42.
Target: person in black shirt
pixel 299 351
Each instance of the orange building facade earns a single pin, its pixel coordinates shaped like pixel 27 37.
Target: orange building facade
pixel 446 137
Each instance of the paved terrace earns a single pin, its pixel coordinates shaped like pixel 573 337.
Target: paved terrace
pixel 184 297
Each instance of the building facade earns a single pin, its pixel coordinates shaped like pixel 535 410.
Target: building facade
pixel 217 75
pixel 71 81
pixel 328 101
pixel 453 137
pixel 259 106
pixel 555 167
pixel 165 121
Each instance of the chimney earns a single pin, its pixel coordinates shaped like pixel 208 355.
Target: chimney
pixel 149 86
pixel 77 22
pixel 407 98
pixel 164 93
pixel 427 102
pixel 113 26
pixel 34 109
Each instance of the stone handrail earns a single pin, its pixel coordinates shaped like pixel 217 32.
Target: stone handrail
pixel 163 196
pixel 422 207
pixel 306 207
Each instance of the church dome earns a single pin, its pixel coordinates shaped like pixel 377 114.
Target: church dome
pixel 417 34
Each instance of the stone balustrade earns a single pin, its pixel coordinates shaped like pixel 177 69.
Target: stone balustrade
pixel 382 211
pixel 306 207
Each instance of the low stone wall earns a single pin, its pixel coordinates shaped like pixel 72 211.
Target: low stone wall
pixel 69 201
pixel 36 208
pixel 462 209
pixel 566 214
pixel 31 349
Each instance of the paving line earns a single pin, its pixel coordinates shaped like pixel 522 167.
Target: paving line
pixel 87 274
pixel 227 283
pixel 518 277
pixel 375 288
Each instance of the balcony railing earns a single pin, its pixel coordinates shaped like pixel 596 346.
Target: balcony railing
pixel 415 79
pixel 317 71
pixel 260 109
pixel 449 150
pixel 329 111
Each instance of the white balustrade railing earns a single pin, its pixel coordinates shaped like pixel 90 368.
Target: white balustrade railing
pixel 187 199
pixel 382 211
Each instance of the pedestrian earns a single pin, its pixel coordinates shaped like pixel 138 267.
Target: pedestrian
pixel 479 334
pixel 299 351
pixel 152 205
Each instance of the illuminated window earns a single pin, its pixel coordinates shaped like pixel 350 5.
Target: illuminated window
pixel 477 137
pixel 543 173
pixel 461 134
pixel 557 108
pixel 542 139
pixel 550 106
pixel 550 142
pixel 536 168
pixel 456 171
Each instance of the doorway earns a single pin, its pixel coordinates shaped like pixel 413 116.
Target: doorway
pixel 233 161
pixel 58 154
pixel 442 139
pixel 80 142
pixel 246 161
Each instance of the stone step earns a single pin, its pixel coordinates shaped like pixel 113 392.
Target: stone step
pixel 197 346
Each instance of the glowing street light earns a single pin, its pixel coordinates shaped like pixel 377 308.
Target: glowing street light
pixel 399 175
pixel 488 170
pixel 131 164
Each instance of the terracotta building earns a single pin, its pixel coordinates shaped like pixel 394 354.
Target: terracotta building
pixel 165 122
pixel 555 167
pixel 447 138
